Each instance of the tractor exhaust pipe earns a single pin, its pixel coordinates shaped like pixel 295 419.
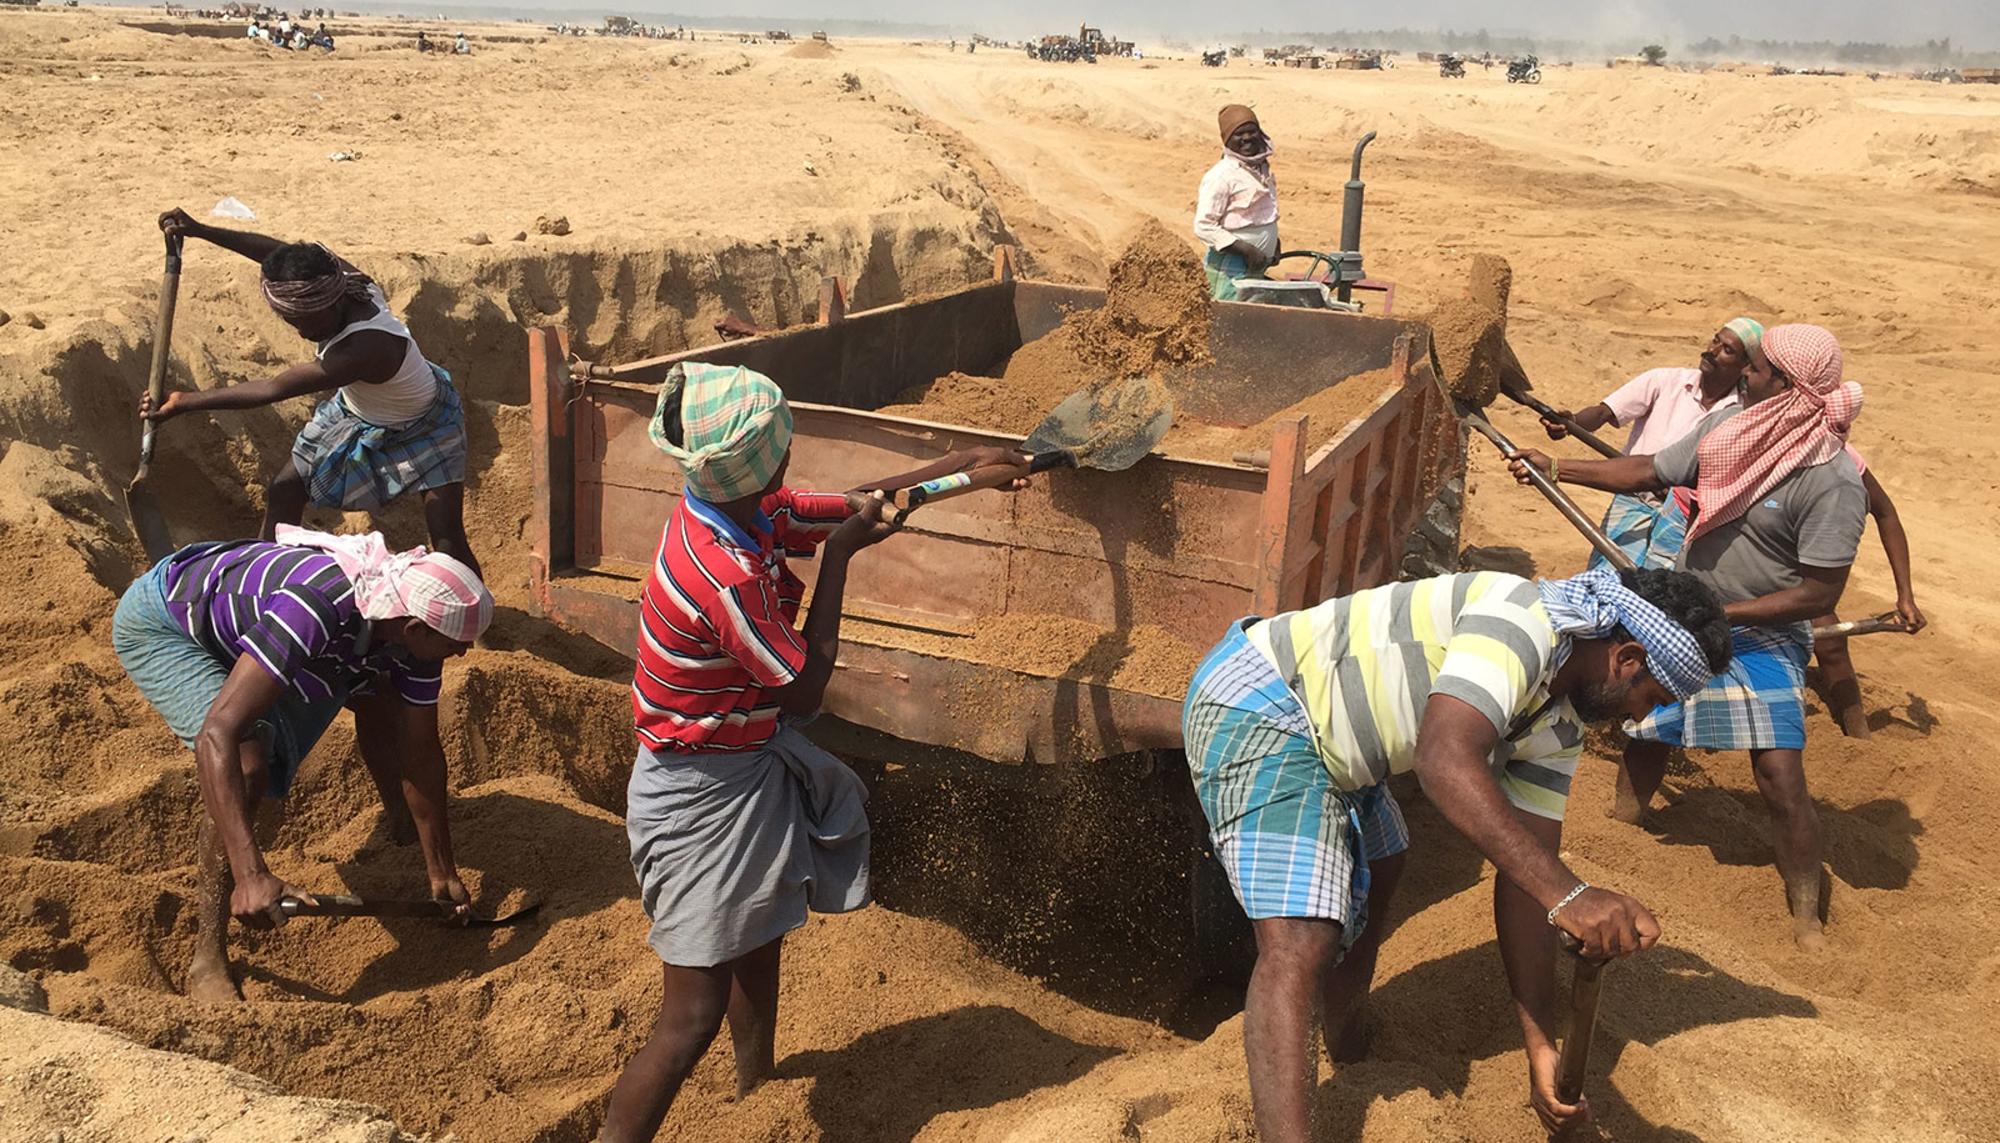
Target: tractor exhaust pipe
pixel 1350 220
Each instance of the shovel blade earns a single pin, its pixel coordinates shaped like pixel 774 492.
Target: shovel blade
pixel 149 522
pixel 1108 428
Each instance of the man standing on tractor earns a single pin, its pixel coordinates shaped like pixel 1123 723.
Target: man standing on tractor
pixel 1236 210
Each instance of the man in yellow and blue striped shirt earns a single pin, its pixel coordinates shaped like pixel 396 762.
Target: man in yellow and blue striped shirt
pixel 1479 683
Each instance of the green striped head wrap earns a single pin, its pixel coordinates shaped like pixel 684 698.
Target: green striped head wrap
pixel 1749 331
pixel 726 427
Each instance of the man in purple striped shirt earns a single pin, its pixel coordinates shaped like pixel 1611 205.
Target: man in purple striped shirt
pixel 249 649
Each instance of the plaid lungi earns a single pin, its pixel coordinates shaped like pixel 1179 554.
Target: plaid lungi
pixel 1651 534
pixel 1757 704
pixel 358 465
pixel 1223 267
pixel 1293 845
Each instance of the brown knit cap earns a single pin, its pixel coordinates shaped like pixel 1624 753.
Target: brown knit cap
pixel 1233 116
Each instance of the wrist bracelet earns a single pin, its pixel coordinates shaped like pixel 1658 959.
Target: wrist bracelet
pixel 1555 470
pixel 1570 896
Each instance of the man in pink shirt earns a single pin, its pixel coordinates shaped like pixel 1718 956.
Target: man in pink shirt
pixel 1236 210
pixel 1662 406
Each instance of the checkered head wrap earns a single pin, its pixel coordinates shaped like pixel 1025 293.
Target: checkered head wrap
pixel 1748 330
pixel 727 427
pixel 1747 455
pixel 312 295
pixel 1592 605
pixel 428 586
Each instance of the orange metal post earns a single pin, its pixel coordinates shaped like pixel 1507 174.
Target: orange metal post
pixel 552 527
pixel 832 300
pixel 1274 538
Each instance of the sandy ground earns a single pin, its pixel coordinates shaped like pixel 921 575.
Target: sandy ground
pixel 1639 211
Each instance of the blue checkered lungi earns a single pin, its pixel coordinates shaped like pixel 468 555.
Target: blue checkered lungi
pixel 1757 704
pixel 1293 845
pixel 1651 534
pixel 357 465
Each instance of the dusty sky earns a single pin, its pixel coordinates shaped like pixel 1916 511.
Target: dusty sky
pixel 1974 23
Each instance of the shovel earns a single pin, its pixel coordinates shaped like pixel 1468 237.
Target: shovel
pixel 1586 986
pixel 148 521
pixel 336 905
pixel 1515 389
pixel 1547 487
pixel 1108 428
pixel 1887 621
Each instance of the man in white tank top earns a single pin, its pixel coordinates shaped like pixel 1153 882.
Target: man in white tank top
pixel 393 424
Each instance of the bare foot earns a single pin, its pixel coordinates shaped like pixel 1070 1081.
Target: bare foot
pixel 209 982
pixel 1625 805
pixel 1355 1037
pixel 750 1080
pixel 1809 935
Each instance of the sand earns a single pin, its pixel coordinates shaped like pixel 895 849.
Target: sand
pixel 1155 320
pixel 1469 332
pixel 1638 210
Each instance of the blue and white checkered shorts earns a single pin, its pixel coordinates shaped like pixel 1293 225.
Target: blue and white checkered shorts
pixel 1293 845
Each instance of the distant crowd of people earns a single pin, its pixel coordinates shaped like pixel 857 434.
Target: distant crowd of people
pixel 286 33
pixel 459 47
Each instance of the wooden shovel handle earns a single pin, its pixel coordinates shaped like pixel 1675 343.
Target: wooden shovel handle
pixel 1541 408
pixel 1887 621
pixel 1556 496
pixel 163 335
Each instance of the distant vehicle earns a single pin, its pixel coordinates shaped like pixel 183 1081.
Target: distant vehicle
pixel 1215 59
pixel 1451 66
pixel 1527 69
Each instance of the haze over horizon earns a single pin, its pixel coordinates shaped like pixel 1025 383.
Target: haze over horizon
pixel 1971 24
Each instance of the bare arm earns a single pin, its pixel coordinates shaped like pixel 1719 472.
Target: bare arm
pixel 249 244
pixel 366 357
pixel 1896 546
pixel 1817 594
pixel 246 695
pixel 1591 419
pixel 1595 417
pixel 1453 746
pixel 1625 474
pixel 804 694
pixel 958 461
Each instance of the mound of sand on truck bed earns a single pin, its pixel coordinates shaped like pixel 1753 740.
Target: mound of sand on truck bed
pixel 1155 322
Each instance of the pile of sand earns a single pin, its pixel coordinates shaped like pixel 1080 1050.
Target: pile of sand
pixel 810 50
pixel 1155 320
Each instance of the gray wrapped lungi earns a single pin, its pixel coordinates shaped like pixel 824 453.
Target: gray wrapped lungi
pixel 731 849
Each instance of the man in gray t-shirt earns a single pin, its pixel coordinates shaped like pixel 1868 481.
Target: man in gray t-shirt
pixel 1813 518
pixel 1777 560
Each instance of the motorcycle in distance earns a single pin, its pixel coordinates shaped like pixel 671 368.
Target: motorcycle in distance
pixel 1215 59
pixel 1451 66
pixel 1527 69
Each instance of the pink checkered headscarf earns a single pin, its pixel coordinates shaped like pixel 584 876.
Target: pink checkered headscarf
pixel 429 586
pixel 1747 455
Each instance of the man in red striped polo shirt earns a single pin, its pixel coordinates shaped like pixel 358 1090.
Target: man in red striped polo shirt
pixel 738 824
